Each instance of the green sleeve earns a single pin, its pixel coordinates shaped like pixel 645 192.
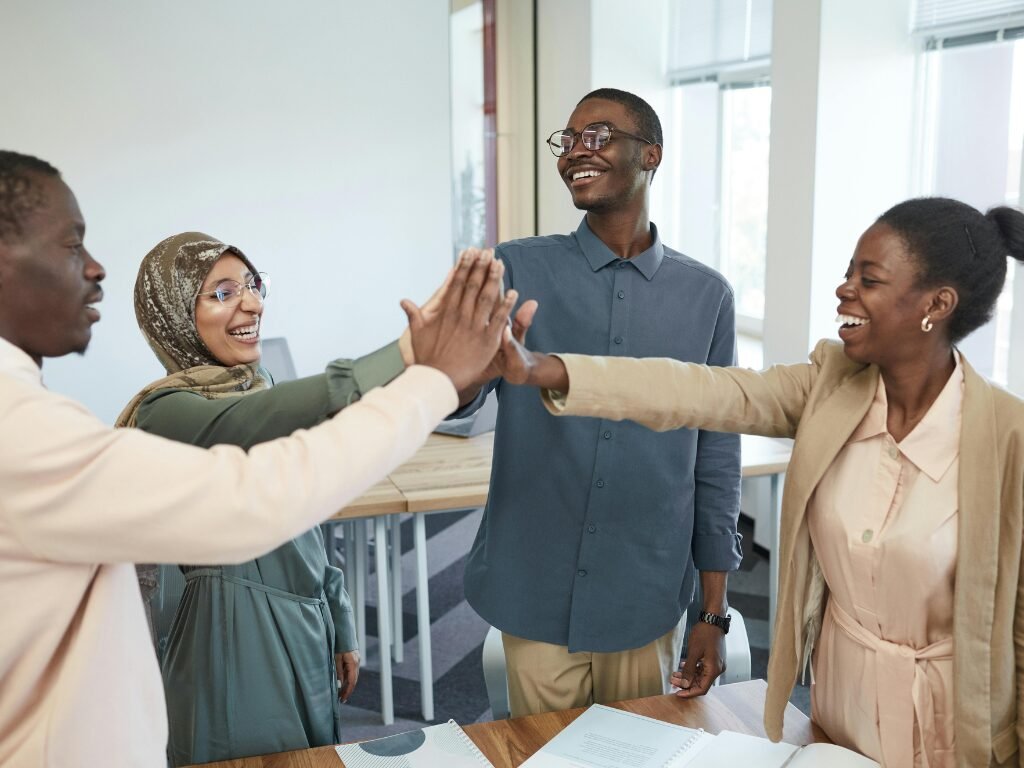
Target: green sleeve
pixel 340 605
pixel 269 414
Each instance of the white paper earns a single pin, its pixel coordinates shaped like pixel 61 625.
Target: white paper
pixel 436 746
pixel 603 737
pixel 738 749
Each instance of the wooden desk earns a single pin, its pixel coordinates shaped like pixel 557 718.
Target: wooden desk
pixel 447 473
pixel 507 743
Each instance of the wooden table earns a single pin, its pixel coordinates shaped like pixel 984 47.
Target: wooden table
pixel 507 743
pixel 446 473
pixel 450 473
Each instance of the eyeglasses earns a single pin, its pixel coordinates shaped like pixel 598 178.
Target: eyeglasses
pixel 230 291
pixel 595 138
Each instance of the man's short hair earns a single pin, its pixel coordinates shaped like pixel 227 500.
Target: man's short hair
pixel 20 192
pixel 646 118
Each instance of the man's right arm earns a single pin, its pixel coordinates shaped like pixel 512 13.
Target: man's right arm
pixel 77 491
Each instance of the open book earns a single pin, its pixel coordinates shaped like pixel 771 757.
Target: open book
pixel 603 737
pixel 436 746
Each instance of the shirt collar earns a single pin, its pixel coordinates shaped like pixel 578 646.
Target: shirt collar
pixel 935 442
pixel 15 362
pixel 600 255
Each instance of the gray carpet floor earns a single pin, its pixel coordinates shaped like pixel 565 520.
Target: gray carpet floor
pixel 458 634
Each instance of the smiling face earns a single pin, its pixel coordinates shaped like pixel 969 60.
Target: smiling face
pixel 230 331
pixel 49 283
pixel 616 176
pixel 880 304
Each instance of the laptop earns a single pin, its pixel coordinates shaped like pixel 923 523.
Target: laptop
pixel 480 421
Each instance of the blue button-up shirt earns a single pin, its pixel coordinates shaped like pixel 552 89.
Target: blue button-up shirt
pixel 592 528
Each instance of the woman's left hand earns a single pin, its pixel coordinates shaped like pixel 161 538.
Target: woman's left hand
pixel 347 665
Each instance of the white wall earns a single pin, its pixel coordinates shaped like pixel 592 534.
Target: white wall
pixel 563 77
pixel 315 136
pixel 842 122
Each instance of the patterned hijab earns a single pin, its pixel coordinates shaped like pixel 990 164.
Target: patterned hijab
pixel 166 289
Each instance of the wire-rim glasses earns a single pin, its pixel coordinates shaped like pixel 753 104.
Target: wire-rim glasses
pixel 230 291
pixel 595 136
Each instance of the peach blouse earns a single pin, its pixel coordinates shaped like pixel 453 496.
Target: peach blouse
pixel 883 522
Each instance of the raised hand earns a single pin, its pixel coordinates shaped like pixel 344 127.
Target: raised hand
pixel 513 361
pixel 462 332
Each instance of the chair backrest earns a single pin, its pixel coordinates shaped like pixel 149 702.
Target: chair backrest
pixel 277 359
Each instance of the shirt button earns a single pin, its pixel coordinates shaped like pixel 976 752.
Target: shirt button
pixel 581 572
pixel 621 294
pixel 591 528
pixel 607 435
pixel 600 483
pixel 867 536
pixel 894 452
pixel 618 339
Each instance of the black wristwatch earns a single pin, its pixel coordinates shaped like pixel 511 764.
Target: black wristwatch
pixel 722 622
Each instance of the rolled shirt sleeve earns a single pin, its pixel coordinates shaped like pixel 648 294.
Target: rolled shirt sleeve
pixel 716 470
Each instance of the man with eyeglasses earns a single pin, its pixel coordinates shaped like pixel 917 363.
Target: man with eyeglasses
pixel 80 502
pixel 586 552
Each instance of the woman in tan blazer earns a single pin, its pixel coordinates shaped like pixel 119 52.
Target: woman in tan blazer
pixel 901 533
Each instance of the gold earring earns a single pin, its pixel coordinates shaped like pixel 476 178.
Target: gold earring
pixel 926 324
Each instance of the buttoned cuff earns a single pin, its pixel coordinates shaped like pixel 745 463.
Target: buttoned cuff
pixel 348 380
pixel 344 631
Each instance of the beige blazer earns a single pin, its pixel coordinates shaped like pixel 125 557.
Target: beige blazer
pixel 820 404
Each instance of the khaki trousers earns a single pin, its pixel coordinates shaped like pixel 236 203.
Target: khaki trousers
pixel 544 677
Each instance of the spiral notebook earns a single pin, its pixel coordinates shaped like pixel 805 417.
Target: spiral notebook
pixel 603 737
pixel 436 746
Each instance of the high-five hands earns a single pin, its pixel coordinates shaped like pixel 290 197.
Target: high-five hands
pixel 461 328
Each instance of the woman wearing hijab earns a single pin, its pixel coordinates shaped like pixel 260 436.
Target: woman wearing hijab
pixel 901 530
pixel 256 650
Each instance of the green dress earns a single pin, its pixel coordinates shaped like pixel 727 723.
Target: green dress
pixel 249 667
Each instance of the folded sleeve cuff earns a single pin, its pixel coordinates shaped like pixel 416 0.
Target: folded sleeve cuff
pixel 717 551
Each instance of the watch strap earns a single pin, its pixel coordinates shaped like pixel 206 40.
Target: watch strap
pixel 722 622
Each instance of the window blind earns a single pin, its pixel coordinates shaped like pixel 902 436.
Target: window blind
pixel 952 19
pixel 707 37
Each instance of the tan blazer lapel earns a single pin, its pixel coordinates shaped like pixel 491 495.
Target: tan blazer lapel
pixel 821 435
pixel 826 426
pixel 978 549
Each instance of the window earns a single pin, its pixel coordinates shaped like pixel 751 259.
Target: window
pixel 474 217
pixel 746 114
pixel 715 201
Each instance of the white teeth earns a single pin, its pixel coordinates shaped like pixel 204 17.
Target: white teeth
pixel 247 332
pixel 851 320
pixel 584 174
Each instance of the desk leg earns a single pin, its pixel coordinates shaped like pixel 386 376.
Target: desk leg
pixel 774 516
pixel 359 571
pixel 380 550
pixel 395 524
pixel 423 617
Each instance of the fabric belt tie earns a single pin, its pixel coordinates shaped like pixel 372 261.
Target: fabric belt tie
pixel 897 666
pixel 197 573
